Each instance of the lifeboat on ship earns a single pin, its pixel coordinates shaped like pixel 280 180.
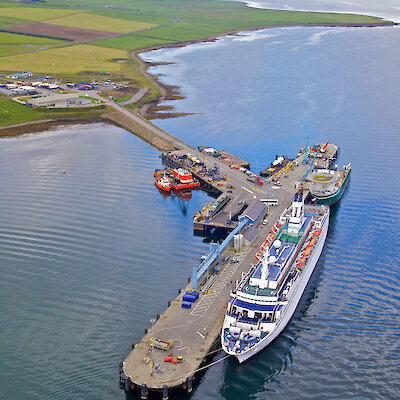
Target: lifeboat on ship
pixel 311 243
pixel 317 232
pixel 306 252
pixel 301 262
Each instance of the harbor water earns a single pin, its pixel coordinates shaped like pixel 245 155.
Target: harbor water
pixel 89 256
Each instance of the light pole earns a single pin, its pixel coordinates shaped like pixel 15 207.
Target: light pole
pixel 152 321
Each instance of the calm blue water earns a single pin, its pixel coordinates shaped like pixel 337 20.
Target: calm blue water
pixel 87 258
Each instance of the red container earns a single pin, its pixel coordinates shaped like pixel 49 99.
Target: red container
pixel 174 361
pixel 167 359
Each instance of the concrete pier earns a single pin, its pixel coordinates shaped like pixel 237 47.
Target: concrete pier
pixel 194 332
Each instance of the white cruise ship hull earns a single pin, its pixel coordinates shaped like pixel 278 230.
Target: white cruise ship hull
pixel 294 299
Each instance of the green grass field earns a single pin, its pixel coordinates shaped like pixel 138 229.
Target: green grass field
pixel 14 113
pixel 99 23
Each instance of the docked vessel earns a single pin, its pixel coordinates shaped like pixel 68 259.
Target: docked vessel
pixel 184 180
pixel 328 185
pixel 161 181
pixel 266 298
pixel 163 184
pixel 179 179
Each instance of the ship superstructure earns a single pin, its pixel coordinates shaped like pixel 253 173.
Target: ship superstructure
pixel 266 298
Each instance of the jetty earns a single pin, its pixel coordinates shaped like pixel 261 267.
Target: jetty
pixel 175 347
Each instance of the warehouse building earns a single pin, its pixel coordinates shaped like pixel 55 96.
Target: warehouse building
pixel 59 101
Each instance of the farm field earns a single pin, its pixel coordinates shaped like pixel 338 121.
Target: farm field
pixel 12 43
pixel 99 23
pixel 59 32
pixel 34 13
pixel 66 60
pixel 11 38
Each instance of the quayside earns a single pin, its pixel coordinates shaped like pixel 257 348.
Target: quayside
pixel 174 350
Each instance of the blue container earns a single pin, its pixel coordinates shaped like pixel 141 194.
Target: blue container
pixel 186 304
pixel 189 297
pixel 192 293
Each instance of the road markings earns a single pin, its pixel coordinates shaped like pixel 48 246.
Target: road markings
pixel 223 280
pixel 247 190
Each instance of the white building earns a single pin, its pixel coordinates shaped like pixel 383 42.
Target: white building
pixel 58 100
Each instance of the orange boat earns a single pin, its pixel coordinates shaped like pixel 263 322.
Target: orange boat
pixel 184 180
pixel 163 183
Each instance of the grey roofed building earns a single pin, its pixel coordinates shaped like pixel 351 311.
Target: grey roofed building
pixel 253 211
pixel 58 100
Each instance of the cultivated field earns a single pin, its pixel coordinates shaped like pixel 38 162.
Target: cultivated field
pixel 66 60
pixel 11 38
pixel 99 23
pixel 12 44
pixel 34 13
pixel 59 32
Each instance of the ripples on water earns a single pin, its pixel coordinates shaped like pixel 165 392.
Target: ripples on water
pixel 87 258
pixel 337 84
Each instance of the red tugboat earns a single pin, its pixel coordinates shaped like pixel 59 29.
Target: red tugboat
pixel 161 181
pixel 177 179
pixel 183 179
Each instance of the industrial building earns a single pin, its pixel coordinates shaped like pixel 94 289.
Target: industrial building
pixel 58 101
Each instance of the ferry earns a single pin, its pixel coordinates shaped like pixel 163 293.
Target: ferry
pixel 264 301
pixel 328 185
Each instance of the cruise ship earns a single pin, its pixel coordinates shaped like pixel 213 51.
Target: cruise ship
pixel 328 185
pixel 264 301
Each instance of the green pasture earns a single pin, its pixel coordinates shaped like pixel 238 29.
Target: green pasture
pixel 99 23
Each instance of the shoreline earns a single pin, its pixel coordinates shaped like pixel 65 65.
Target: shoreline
pixel 41 125
pixel 149 110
